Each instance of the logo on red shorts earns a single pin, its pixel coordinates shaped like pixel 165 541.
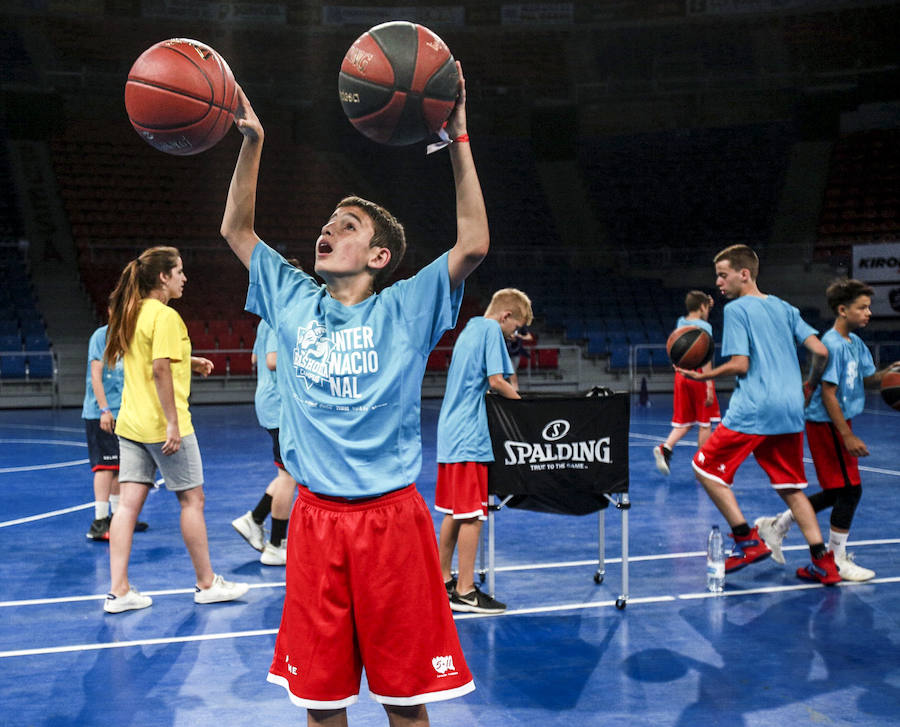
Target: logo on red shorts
pixel 443 665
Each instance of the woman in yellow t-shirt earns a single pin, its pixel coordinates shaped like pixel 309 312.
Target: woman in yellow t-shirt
pixel 154 425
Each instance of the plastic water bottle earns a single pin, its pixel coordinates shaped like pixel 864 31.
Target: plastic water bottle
pixel 715 561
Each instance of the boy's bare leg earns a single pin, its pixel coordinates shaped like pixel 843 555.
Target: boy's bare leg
pixel 704 434
pixel 723 498
pixel 674 436
pixel 412 716
pixel 469 532
pixel 803 514
pixel 282 491
pixel 447 544
pixel 326 717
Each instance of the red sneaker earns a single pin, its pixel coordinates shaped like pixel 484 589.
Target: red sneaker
pixel 745 551
pixel 824 570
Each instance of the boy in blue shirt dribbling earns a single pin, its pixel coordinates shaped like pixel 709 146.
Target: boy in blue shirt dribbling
pixel 765 412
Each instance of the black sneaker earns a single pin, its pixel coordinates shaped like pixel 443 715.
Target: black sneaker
pixel 99 529
pixel 450 586
pixel 475 602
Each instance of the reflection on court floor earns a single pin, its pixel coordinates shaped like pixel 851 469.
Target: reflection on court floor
pixel 770 650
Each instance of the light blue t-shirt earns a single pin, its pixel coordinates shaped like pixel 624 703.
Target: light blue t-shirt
pixel 698 322
pixel 113 379
pixel 266 400
pixel 350 377
pixel 769 397
pixel 462 430
pixel 849 362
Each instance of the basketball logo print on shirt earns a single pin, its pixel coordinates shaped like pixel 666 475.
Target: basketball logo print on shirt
pixel 311 354
pixel 338 360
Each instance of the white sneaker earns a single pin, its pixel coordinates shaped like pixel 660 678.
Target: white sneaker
pixel 766 528
pixel 220 590
pixel 663 456
pixel 131 601
pixel 273 555
pixel 250 530
pixel 849 570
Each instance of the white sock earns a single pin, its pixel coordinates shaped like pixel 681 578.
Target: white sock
pixel 113 503
pixel 783 522
pixel 837 543
pixel 101 510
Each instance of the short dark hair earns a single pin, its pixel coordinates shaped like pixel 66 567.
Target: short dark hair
pixel 844 291
pixel 695 299
pixel 740 257
pixel 388 233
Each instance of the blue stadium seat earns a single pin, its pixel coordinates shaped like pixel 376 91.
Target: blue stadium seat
pixel 12 367
pixel 40 366
pixel 618 357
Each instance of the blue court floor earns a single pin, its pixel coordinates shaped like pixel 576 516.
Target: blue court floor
pixel 771 650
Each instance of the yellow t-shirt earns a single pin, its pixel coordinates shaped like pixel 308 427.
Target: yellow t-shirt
pixel 159 333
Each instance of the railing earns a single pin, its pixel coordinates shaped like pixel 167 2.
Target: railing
pixel 14 383
pixel 566 375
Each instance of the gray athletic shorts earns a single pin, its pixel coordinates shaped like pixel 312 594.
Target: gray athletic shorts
pixel 183 470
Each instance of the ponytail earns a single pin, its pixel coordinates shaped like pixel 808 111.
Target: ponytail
pixel 139 277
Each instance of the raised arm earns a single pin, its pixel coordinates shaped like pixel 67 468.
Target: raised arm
pixel 472 236
pixel 240 207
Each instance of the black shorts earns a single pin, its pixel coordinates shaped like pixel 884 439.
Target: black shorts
pixel 276 448
pixel 103 447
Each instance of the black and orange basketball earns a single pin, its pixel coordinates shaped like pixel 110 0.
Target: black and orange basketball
pixel 689 347
pixel 398 83
pixel 181 96
pixel 890 387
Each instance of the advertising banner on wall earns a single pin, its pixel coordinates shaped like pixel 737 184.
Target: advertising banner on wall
pixel 878 264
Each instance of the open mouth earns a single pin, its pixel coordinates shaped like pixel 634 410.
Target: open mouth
pixel 323 248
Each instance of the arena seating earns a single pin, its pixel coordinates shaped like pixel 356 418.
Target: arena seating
pixel 862 195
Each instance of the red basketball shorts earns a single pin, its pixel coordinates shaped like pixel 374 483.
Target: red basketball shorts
pixel 689 405
pixel 364 589
pixel 462 490
pixel 780 456
pixel 835 466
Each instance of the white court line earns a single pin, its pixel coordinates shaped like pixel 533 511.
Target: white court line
pixel 41 516
pixel 52 466
pixel 807 460
pixel 458 617
pixel 18 427
pixel 63 442
pixel 102 596
pixel 505 569
pixel 141 642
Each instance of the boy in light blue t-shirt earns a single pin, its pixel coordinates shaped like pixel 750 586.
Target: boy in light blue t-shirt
pixel 834 447
pixel 350 367
pixel 765 412
pixel 480 361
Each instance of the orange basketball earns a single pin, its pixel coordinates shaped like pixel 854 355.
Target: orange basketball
pixel 890 387
pixel 181 96
pixel 689 347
